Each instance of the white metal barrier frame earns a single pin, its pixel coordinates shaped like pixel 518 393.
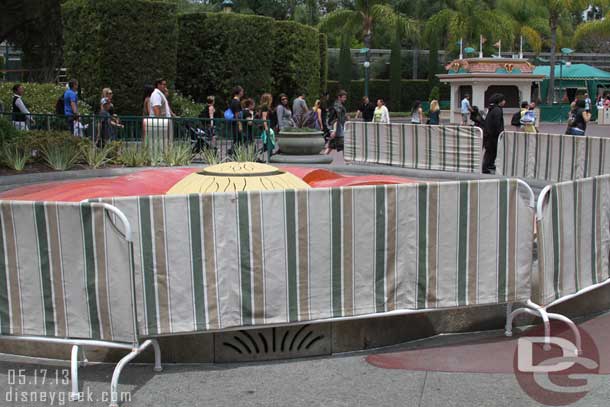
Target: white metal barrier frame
pixel 532 308
pixel 135 347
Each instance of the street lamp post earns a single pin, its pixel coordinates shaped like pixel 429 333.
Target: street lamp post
pixel 564 52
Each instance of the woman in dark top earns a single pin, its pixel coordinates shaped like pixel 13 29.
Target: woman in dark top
pixel 578 126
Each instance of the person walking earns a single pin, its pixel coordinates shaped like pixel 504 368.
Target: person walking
pixel 148 90
pixel 71 104
pixel 435 113
pixel 21 115
pixel 492 127
pixel 299 108
pixel 587 102
pixel 316 112
pixel 417 113
pixel 107 94
pixel 366 110
pixel 528 119
pixel 381 114
pixel 284 114
pixel 160 128
pixel 232 114
pixel 465 109
pixel 578 127
pixel 336 120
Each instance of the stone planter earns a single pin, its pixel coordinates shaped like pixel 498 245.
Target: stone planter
pixel 300 142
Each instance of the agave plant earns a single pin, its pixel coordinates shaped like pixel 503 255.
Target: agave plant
pixel 14 157
pixel 210 156
pixel 133 156
pixel 97 157
pixel 61 157
pixel 178 154
pixel 244 153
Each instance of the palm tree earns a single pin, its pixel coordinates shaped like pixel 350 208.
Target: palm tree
pixel 528 20
pixel 361 18
pixel 556 10
pixel 467 20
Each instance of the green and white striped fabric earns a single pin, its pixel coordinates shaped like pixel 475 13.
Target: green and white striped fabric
pixel 444 148
pixel 252 258
pixel 552 157
pixel 573 239
pixel 65 272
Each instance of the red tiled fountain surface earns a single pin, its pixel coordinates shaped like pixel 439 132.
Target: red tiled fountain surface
pixel 159 181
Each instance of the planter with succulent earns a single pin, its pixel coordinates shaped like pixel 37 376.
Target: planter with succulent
pixel 303 139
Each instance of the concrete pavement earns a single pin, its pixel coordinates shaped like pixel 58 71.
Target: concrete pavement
pixel 340 381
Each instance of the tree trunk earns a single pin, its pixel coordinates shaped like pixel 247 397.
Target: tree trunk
pixel 550 95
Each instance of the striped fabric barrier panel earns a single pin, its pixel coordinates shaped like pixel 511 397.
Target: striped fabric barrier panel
pixel 444 148
pixel 64 273
pixel 206 262
pixel 552 157
pixel 573 238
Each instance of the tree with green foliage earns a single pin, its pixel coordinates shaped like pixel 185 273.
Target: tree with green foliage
pixel 362 16
pixel 556 10
pixel 467 20
pixel 593 36
pixel 35 27
pixel 345 63
pixel 395 71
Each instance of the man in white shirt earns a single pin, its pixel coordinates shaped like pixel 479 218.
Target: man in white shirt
pixel 21 114
pixel 159 130
pixel 466 109
pixel 159 106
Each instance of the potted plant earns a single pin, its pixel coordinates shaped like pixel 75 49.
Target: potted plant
pixel 303 139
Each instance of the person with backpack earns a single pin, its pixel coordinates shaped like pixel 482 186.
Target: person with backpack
pixel 71 103
pixel 21 114
pixel 528 118
pixel 515 120
pixel 231 115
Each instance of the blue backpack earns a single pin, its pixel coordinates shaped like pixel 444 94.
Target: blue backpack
pixel 229 115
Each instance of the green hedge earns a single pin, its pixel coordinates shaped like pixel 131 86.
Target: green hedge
pixel 323 62
pixel 39 97
pixel 410 91
pixel 120 44
pixel 296 60
pixel 217 51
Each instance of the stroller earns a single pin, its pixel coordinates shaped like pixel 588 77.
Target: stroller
pixel 201 139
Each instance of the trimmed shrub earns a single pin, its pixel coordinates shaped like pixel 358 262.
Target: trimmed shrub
pixel 411 90
pixel 345 63
pixel 323 62
pixel 217 51
pixel 296 60
pixel 40 97
pixel 395 74
pixel 119 44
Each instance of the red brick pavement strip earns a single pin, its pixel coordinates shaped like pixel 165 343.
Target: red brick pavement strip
pixel 492 355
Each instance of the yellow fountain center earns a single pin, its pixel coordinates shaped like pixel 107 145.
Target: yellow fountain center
pixel 234 176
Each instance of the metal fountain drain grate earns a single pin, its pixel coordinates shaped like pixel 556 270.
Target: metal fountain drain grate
pixel 273 343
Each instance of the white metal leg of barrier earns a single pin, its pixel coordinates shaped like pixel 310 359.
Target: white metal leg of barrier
pixel 546 316
pixel 572 326
pixel 508 329
pixel 74 394
pixel 128 358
